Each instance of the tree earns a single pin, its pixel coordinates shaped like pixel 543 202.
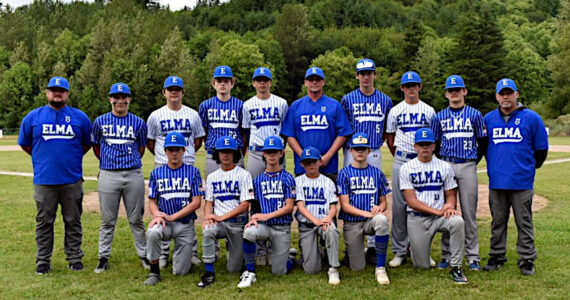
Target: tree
pixel 16 94
pixel 338 66
pixel 560 63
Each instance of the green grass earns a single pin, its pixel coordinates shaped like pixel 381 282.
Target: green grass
pixel 559 140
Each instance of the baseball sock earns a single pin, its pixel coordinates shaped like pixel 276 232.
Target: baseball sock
pixel 381 243
pixel 155 268
pixel 249 255
pixel 209 267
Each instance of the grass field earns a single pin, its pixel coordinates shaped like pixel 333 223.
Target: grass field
pixel 124 279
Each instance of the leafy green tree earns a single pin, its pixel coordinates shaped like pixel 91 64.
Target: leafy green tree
pixel 338 66
pixel 16 94
pixel 560 63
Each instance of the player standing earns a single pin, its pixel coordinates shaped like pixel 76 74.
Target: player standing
pixel 275 192
pixel 45 133
pixel 119 140
pixel 403 121
pixel 428 186
pixel 363 189
pixel 316 211
pixel 518 145
pixel 175 193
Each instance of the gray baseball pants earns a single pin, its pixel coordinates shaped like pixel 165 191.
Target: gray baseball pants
pixel 354 235
pixel 466 177
pixel 500 202
pixel 280 237
pixel 112 186
pixel 183 235
pixel 70 197
pixel 233 233
pixel 421 230
pixel 309 238
pixel 399 206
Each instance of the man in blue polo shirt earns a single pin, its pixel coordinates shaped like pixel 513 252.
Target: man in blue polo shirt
pixel 319 121
pixel 57 136
pixel 518 144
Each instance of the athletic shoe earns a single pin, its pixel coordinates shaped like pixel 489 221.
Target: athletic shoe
pixel 458 276
pixel 397 261
pixel 207 279
pixel 431 262
pixel 292 253
pixel 443 264
pixel 247 278
pixel 262 260
pixel 493 264
pixel 163 263
pixel 196 261
pixel 152 279
pixel 102 266
pixel 145 263
pixel 334 278
pixel 43 269
pixel 382 276
pixel 371 256
pixel 526 266
pixel 76 266
pixel 474 265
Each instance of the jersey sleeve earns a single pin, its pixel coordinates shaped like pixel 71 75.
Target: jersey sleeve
pixel 479 125
pixel 197 187
pixel 383 184
pixel 246 185
pixel 288 128
pixel 345 106
pixel 245 118
pixel 152 127
pixel 203 112
pixel 153 192
pixel 331 191
pixel 540 138
pixel 343 127
pixel 25 136
pixel 284 109
pixel 436 128
pixel 289 187
pixel 197 127
pixel 449 180
pixel 391 124
pixel 431 116
pixel 299 186
pixel 86 129
pixel 343 183
pixel 142 134
pixel 405 183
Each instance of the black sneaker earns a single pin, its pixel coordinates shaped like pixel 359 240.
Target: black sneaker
pixel 77 266
pixel 43 269
pixel 526 266
pixel 371 256
pixel 458 276
pixel 207 279
pixel 345 261
pixel 493 264
pixel 102 266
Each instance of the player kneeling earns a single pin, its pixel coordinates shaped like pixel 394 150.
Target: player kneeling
pixel 228 192
pixel 426 183
pixel 175 192
pixel 316 209
pixel 275 194
pixel 363 189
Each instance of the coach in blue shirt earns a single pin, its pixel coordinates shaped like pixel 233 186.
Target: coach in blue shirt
pixel 319 121
pixel 518 144
pixel 57 136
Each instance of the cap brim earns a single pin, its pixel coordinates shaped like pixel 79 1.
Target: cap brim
pixel 366 69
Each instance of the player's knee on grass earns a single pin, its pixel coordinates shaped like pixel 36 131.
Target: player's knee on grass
pixel 380 224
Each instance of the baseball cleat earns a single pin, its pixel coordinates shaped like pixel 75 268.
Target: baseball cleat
pixel 526 266
pixel 334 278
pixel 76 266
pixel 458 276
pixel 431 262
pixel 196 261
pixel 493 264
pixel 247 278
pixel 152 279
pixel 382 276
pixel 43 269
pixel 443 264
pixel 207 279
pixel 397 261
pixel 102 266
pixel 145 263
pixel 474 265
pixel 163 263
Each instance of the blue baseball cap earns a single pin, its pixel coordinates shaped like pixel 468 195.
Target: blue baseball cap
pixel 360 140
pixel 365 64
pixel 174 139
pixel 262 72
pixel 226 142
pixel 311 153
pixel 223 72
pixel 506 83
pixel 58 82
pixel 314 71
pixel 272 143
pixel 410 77
pixel 120 88
pixel 173 81
pixel 454 81
pixel 424 135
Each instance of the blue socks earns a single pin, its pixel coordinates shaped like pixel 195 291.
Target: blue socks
pixel 249 255
pixel 381 244
pixel 209 267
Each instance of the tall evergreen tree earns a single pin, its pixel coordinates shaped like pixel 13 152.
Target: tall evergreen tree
pixel 560 63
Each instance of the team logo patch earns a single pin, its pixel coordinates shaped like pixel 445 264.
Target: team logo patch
pixel 323 108
pixel 359 140
pixel 251 192
pixel 517 121
pixel 67 119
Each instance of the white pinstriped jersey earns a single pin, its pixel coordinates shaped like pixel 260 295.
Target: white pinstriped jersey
pixel 405 119
pixel 264 117
pixel 429 180
pixel 221 118
pixel 317 193
pixel 227 189
pixel 164 120
pixel 458 130
pixel 368 114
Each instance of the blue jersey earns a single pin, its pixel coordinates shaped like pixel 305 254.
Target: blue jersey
pixel 364 188
pixel 221 118
pixel 57 139
pixel 119 139
pixel 510 155
pixel 174 189
pixel 458 130
pixel 272 189
pixel 368 114
pixel 318 124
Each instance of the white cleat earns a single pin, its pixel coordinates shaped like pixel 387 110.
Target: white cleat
pixel 382 276
pixel 334 278
pixel 432 262
pixel 163 263
pixel 397 261
pixel 247 278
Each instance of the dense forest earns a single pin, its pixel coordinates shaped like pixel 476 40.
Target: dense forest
pixel 141 43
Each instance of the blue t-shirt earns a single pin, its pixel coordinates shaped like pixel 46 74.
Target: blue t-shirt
pixel 510 155
pixel 222 118
pixel 57 139
pixel 272 191
pixel 318 124
pixel 364 188
pixel 174 189
pixel 119 139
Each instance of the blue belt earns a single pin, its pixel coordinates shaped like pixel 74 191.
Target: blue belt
pixel 256 148
pixel 419 214
pixel 456 160
pixel 238 219
pixel 406 155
